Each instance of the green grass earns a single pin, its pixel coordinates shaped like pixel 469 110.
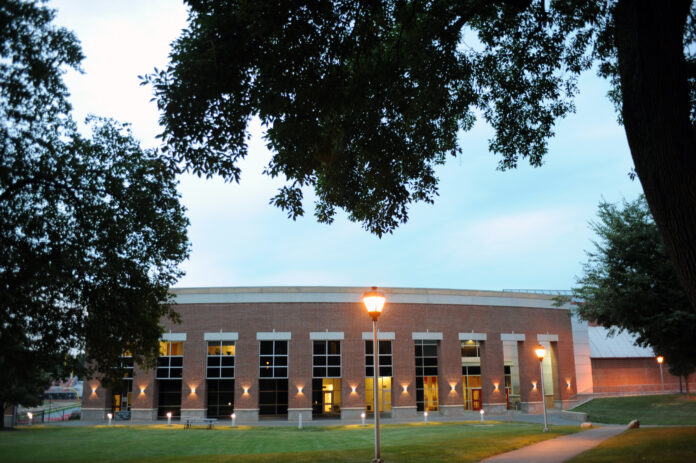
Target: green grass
pixel 412 443
pixel 659 445
pixel 654 409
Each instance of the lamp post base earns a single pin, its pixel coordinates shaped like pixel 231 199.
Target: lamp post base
pixel 377 460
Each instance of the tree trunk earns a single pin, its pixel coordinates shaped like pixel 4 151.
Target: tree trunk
pixel 662 139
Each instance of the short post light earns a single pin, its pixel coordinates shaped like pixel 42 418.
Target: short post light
pixel 482 412
pixel 362 417
pixel 30 415
pixel 374 303
pixel 169 418
pixel 109 416
pixel 661 359
pixel 425 417
pixel 540 353
pixel 233 416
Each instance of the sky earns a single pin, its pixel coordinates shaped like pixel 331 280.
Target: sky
pixel 488 230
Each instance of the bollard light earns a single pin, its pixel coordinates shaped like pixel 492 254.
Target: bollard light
pixel 169 418
pixel 109 416
pixel 30 415
pixel 362 417
pixel 425 417
pixel 482 413
pixel 233 416
pixel 299 422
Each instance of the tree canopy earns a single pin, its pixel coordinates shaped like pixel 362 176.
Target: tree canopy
pixel 629 283
pixel 362 100
pixel 91 229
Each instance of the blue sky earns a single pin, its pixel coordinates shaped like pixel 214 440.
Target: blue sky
pixel 521 229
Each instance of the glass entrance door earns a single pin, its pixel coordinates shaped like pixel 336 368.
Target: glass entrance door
pixel 383 394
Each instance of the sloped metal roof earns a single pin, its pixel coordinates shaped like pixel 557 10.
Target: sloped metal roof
pixel 621 345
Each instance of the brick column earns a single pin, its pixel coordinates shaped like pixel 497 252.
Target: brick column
pixel 566 370
pixel 353 371
pixel 492 374
pixel 246 384
pixel 530 397
pixel 96 401
pixel 300 376
pixel 144 406
pixel 194 387
pixel 450 369
pixel 404 366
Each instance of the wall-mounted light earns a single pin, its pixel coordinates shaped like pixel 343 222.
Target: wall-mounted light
pixel 454 387
pixel 405 386
pixel 568 383
pixel 496 386
pixel 94 390
pixel 193 390
pixel 299 389
pixel 534 383
pixel 246 390
pixel 353 389
pixel 142 389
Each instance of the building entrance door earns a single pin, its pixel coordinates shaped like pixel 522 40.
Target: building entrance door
pixel 476 399
pixel 328 401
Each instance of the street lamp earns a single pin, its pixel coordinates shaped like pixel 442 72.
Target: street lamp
pixel 540 352
pixel 661 359
pixel 374 302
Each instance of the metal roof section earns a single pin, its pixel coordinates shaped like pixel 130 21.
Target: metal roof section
pixel 319 294
pixel 621 345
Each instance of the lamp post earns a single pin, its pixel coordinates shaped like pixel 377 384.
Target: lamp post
pixel 374 302
pixel 661 359
pixel 540 352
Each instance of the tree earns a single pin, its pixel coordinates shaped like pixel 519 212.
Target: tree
pixel 363 99
pixel 629 283
pixel 91 229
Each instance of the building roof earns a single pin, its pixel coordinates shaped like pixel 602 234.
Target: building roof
pixel 621 345
pixel 305 294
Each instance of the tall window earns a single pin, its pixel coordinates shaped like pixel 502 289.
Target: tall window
pixel 170 364
pixel 122 394
pixel 426 375
pixel 383 381
pixel 326 377
pixel 273 361
pixel 273 377
pixel 326 359
pixel 471 374
pixel 220 375
pixel 385 359
pixel 220 362
pixel 169 372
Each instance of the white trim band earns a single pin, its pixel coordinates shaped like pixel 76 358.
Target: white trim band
pixel 220 336
pixel 273 336
pixel 426 336
pixel 326 335
pixel 547 337
pixel 381 335
pixel 472 336
pixel 173 337
pixel 512 337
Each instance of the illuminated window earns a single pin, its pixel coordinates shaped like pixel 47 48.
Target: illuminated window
pixel 170 363
pixel 220 361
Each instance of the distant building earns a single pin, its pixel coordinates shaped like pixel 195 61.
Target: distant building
pixel 282 351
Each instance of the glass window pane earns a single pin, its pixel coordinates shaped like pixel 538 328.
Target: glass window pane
pixel 266 361
pixel 334 360
pixel 334 347
pixel 266 347
pixel 384 347
pixel 281 361
pixel 176 361
pixel 368 348
pixel 281 347
pixel 177 348
pixel 334 372
pixel 213 347
pixel 319 347
pixel 213 372
pixel 163 348
pixel 227 373
pixel 318 372
pixel 281 372
pixel 213 361
pixel 319 360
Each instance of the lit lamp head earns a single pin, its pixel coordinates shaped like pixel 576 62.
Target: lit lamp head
pixel 374 302
pixel 540 351
pixel 660 359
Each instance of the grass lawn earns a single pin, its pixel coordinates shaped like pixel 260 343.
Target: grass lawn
pixel 659 445
pixel 653 409
pixel 412 443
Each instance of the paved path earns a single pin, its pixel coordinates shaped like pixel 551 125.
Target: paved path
pixel 559 449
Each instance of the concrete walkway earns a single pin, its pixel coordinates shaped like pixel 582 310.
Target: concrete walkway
pixel 559 449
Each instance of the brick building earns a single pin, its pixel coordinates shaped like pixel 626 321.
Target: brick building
pixel 278 352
